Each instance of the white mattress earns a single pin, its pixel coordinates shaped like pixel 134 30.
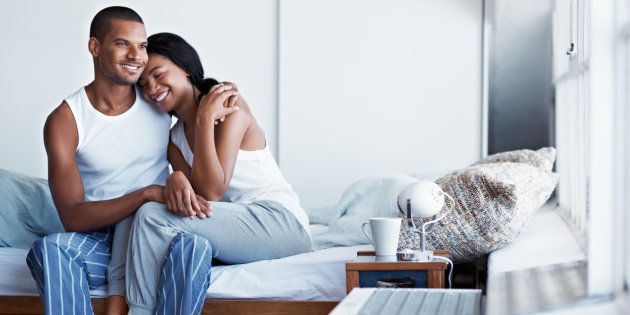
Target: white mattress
pixel 314 276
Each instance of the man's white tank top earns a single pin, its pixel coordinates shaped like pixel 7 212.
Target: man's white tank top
pixel 256 177
pixel 123 153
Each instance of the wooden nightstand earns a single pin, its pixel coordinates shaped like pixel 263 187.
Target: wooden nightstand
pixel 366 271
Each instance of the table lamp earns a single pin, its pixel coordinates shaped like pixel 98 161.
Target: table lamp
pixel 420 200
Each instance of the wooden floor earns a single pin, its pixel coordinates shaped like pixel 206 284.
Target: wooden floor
pixel 32 305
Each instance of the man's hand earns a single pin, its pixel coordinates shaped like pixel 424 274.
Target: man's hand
pixel 211 106
pixel 154 193
pixel 230 102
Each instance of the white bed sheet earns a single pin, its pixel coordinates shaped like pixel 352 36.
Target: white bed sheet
pixel 546 241
pixel 315 276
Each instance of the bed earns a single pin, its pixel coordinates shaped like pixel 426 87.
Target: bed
pixel 542 269
pixel 312 283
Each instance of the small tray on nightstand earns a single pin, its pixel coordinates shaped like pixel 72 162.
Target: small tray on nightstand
pixel 370 271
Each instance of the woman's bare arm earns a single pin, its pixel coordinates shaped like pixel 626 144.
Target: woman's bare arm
pixel 216 146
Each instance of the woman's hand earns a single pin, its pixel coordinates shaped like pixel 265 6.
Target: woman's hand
pixel 218 103
pixel 180 198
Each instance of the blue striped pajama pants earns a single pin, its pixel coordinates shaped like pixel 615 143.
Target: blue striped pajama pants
pixel 189 256
pixel 66 265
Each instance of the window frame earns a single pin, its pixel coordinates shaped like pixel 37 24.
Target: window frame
pixel 609 120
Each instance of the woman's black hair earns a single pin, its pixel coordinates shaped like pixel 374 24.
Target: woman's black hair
pixel 183 55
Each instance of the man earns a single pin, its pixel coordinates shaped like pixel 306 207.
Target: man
pixel 106 150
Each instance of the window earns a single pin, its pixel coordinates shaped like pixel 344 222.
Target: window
pixel 592 81
pixel 571 73
pixel 623 42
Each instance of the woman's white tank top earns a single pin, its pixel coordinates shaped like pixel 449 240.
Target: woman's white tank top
pixel 256 177
pixel 123 153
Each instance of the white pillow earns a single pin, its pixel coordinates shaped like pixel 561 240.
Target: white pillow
pixel 367 198
pixel 320 215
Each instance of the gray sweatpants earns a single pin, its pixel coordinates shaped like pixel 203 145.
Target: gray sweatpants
pixel 236 233
pixel 117 261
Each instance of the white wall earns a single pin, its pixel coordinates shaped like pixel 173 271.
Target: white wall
pixel 44 58
pixel 365 87
pixel 368 87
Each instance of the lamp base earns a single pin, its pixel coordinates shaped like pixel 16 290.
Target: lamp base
pixel 415 255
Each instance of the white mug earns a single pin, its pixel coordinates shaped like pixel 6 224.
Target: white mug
pixel 385 232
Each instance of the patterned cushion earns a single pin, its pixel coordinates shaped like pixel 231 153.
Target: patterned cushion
pixel 542 158
pixel 494 202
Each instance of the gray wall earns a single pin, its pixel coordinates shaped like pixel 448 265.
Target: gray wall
pixel 520 86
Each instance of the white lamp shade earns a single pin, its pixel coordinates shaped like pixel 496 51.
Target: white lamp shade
pixel 426 199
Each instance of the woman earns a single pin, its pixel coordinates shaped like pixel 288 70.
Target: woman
pixel 258 216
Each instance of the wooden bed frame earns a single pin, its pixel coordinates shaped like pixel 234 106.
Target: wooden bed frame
pixel 31 305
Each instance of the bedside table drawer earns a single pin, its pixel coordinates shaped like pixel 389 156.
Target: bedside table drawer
pixel 393 279
pixel 369 271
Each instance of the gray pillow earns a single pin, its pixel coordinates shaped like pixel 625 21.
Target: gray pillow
pixel 494 202
pixel 542 158
pixel 27 211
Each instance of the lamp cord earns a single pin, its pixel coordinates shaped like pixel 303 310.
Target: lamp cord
pixel 450 272
pixel 433 257
pixel 423 231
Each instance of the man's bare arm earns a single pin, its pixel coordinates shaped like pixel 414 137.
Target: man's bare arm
pixel 77 215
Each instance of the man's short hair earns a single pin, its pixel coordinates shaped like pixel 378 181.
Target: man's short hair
pixel 102 20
